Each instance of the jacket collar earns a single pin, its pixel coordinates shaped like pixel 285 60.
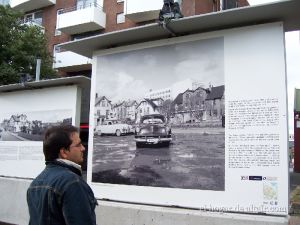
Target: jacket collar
pixel 63 164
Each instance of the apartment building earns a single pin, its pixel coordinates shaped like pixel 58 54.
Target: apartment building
pixel 67 20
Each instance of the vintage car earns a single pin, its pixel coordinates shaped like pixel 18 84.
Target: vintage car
pixel 113 127
pixel 153 131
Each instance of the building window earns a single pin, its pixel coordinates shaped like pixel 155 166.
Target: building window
pixel 35 17
pixel 120 18
pixel 82 4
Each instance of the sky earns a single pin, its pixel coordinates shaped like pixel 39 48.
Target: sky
pixel 293 65
pixel 126 79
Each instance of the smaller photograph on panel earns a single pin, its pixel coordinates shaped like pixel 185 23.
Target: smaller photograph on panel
pixel 31 126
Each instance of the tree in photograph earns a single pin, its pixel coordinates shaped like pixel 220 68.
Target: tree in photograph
pixel 20 46
pixel 166 109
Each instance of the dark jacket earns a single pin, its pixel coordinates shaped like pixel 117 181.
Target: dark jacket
pixel 59 195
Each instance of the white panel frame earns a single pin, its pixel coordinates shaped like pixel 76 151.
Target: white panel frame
pixel 254 67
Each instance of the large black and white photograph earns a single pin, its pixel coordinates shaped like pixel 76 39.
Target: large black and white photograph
pixel 159 117
pixel 31 126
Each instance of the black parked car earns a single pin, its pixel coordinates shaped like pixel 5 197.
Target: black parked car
pixel 153 131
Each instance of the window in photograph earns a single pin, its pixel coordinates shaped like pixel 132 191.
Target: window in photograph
pixel 120 18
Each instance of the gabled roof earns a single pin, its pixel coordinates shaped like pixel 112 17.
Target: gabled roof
pixel 199 88
pixel 15 118
pixel 119 104
pixel 156 99
pixel 149 101
pixel 178 100
pixel 216 93
pixel 130 103
pixel 188 90
pixel 154 106
pixel 99 99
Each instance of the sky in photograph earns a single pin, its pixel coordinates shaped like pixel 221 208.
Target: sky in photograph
pixel 293 65
pixel 131 75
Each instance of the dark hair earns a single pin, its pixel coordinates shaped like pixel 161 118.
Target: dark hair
pixel 55 138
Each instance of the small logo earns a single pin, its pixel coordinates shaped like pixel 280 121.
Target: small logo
pixel 255 178
pixel 244 178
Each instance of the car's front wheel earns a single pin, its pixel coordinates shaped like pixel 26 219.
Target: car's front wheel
pixel 118 133
pixel 139 145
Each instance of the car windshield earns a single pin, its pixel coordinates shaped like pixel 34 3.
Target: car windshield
pixel 153 130
pixel 154 119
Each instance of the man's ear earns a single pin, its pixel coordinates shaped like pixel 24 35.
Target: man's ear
pixel 63 153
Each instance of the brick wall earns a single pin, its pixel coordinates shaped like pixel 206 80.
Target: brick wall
pixel 49 22
pixel 111 8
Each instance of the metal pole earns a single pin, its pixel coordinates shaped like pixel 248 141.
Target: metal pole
pixel 38 69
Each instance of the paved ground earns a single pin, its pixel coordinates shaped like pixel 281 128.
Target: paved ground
pixel 194 160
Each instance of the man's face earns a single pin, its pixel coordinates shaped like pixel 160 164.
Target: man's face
pixel 76 149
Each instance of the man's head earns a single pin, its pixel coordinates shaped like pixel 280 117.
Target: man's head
pixel 63 142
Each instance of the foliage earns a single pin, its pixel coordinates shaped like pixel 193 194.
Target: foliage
pixel 20 46
pixel 166 109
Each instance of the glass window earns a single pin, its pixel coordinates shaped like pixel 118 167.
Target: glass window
pixel 38 17
pixel 120 18
pixel 81 4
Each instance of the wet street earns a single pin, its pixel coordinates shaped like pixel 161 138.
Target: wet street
pixel 194 160
pixel 8 136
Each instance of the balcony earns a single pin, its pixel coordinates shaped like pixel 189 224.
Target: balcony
pixel 69 62
pixel 29 5
pixel 80 20
pixel 142 10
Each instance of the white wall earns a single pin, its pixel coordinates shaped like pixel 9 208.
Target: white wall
pixel 136 6
pixel 13 209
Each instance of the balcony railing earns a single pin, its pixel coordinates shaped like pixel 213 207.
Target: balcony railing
pixel 84 6
pixel 80 19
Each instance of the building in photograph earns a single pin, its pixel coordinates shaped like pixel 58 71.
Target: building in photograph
pixel 68 20
pixel 131 110
pixel 199 105
pixel 148 106
pixel 103 109
pixel 172 92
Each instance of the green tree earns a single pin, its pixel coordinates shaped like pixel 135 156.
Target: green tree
pixel 20 46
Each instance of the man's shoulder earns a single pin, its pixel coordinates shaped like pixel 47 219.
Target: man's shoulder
pixel 54 175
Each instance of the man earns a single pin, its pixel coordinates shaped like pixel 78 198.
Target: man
pixel 59 195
